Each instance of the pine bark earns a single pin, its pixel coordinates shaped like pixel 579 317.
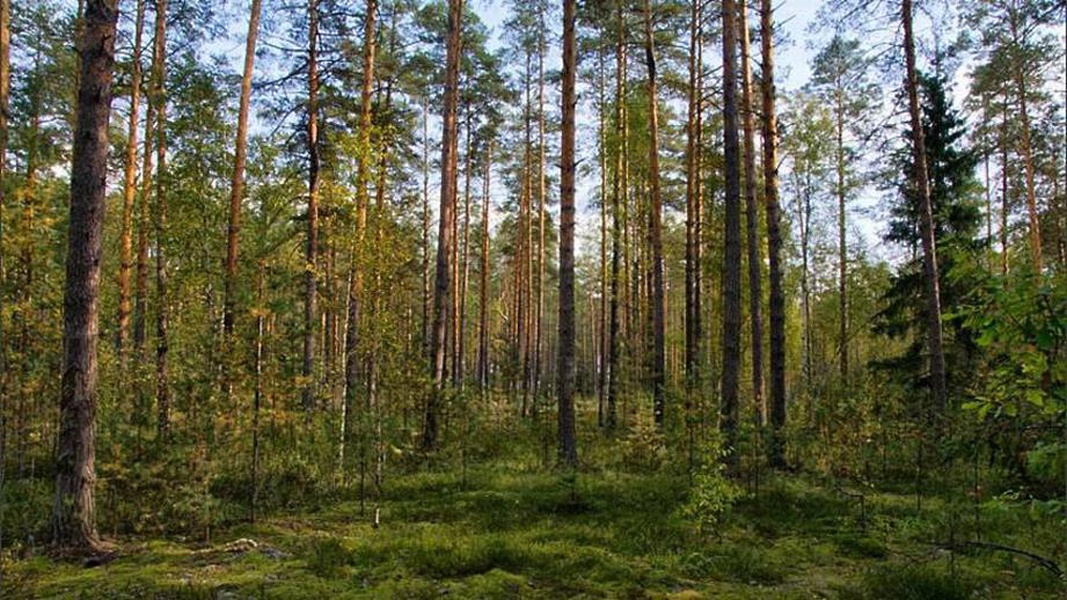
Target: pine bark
pixel 355 274
pixel 692 212
pixel 618 199
pixel 731 292
pixel 442 283
pixel 842 238
pixel 312 250
pixel 774 240
pixel 568 447
pixel 162 310
pixel 73 515
pixel 5 87
pixel 237 183
pixel 659 310
pixel 483 284
pixel 542 192
pixel 755 272
pixel 938 384
pixel 129 192
pixel 1027 146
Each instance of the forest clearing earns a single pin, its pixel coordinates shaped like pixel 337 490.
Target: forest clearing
pixel 524 299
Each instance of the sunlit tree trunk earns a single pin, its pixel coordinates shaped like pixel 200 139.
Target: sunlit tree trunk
pixel 731 291
pixel 162 310
pixel 774 240
pixel 542 191
pixel 659 316
pixel 483 284
pixel 693 209
pixel 926 221
pixel 755 272
pixel 842 239
pixel 602 165
pixel 129 191
pixel 5 88
pixel 568 448
pixel 73 514
pixel 140 304
pixel 444 236
pixel 1027 145
pixel 312 251
pixel 237 183
pixel 355 273
pixel 617 206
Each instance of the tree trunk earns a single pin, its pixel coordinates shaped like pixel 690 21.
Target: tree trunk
pixel 129 190
pixel 731 292
pixel 355 273
pixel 463 280
pixel 5 87
pixel 755 272
pixel 842 239
pixel 447 210
pixel 618 200
pixel 426 229
pixel 774 240
pixel 257 395
pixel 237 184
pixel 1026 146
pixel 1004 189
pixel 312 250
pixel 483 284
pixel 140 304
pixel 659 334
pixel 692 212
pixel 162 314
pixel 568 447
pixel 926 223
pixel 602 165
pixel 73 515
pixel 542 167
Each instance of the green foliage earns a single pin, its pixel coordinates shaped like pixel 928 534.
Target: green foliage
pixel 1022 330
pixel 644 448
pixel 711 497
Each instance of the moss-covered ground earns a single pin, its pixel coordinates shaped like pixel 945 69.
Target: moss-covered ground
pixel 500 524
pixel 513 531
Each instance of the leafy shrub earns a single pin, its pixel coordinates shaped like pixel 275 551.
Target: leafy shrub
pixel 644 449
pixel 710 498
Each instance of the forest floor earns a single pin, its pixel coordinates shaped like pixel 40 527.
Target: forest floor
pixel 506 528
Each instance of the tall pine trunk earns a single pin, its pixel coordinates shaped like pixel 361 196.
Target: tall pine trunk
pixel 938 382
pixel 483 284
pixel 568 446
pixel 774 239
pixel 731 291
pixel 842 238
pixel 444 234
pixel 73 514
pixel 237 183
pixel 129 191
pixel 1026 147
pixel 755 272
pixel 659 309
pixel 355 273
pixel 618 199
pixel 162 309
pixel 312 250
